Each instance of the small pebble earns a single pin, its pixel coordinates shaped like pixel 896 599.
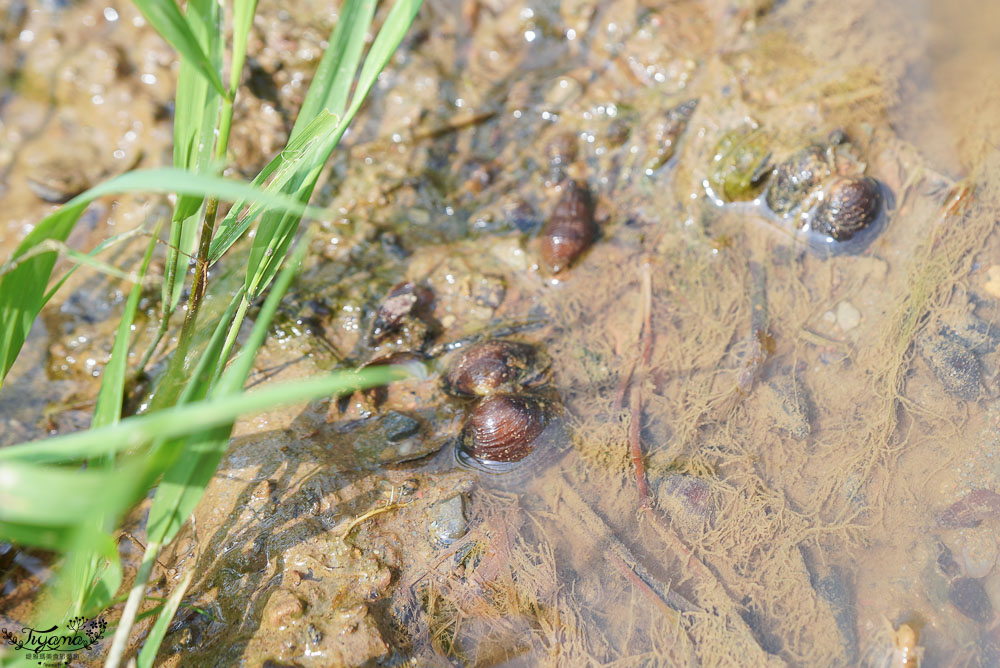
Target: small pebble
pixel 992 286
pixel 848 317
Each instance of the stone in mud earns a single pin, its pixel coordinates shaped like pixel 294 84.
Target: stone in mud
pixel 282 608
pixel 953 364
pixel 788 406
pixel 688 501
pixel 446 521
pixel 971 599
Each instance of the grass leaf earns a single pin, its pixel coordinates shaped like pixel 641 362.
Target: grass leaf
pixel 167 19
pixel 155 638
pixel 22 290
pixel 335 74
pixel 108 408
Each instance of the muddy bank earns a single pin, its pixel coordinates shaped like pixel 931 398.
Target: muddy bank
pixel 815 419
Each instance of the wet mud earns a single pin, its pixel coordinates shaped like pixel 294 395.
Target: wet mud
pixel 768 408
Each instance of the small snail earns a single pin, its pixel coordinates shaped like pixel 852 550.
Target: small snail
pixel 495 366
pixel 503 428
pixel 562 151
pixel 739 164
pixel 570 230
pixel 666 131
pixel 403 300
pixel 850 205
pixel 796 177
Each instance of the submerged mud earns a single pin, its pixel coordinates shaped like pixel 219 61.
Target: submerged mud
pixel 762 445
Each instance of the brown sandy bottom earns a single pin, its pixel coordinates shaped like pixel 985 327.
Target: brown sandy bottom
pixel 816 431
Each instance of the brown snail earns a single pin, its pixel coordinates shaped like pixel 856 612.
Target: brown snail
pixel 571 229
pixel 796 177
pixel 503 428
pixel 495 366
pixel 404 300
pixel 850 205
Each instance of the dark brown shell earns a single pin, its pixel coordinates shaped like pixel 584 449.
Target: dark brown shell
pixel 495 366
pixel 570 230
pixel 562 149
pixel 850 205
pixel 796 177
pixel 503 428
pixel 403 300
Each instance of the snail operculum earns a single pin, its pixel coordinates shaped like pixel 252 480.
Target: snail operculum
pixel 504 427
pixel 739 165
pixel 495 366
pixel 571 228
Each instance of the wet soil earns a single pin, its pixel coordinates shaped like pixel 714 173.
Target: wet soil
pixel 817 429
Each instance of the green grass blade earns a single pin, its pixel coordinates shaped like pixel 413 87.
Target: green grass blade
pixel 98 249
pixel 335 74
pixel 155 638
pixel 183 420
pixel 167 19
pixel 389 36
pixel 108 408
pixel 243 11
pixel 22 291
pixel 55 496
pixel 184 483
pixel 302 150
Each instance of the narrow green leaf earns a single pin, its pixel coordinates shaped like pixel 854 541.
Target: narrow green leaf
pixel 108 408
pixel 22 291
pixel 302 150
pixel 184 483
pixel 167 19
pixel 335 74
pixel 155 638
pixel 183 420
pixel 243 11
pixel 57 496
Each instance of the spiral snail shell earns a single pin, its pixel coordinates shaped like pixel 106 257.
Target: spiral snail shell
pixel 403 300
pixel 571 229
pixel 849 206
pixel 495 366
pixel 503 428
pixel 796 177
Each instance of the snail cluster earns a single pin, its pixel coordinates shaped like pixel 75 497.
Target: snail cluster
pixel 505 378
pixel 821 185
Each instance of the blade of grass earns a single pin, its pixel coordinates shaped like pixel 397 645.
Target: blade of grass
pixel 335 74
pixel 243 11
pixel 22 291
pixel 300 150
pixel 55 496
pixel 152 645
pixel 108 408
pixel 184 483
pixel 167 19
pixel 182 420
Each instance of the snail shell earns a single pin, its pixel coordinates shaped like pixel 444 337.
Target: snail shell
pixel 796 177
pixel 570 230
pixel 850 205
pixel 503 428
pixel 666 132
pixel 404 299
pixel 495 366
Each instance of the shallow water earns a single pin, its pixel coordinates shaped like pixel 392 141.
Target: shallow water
pixel 806 421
